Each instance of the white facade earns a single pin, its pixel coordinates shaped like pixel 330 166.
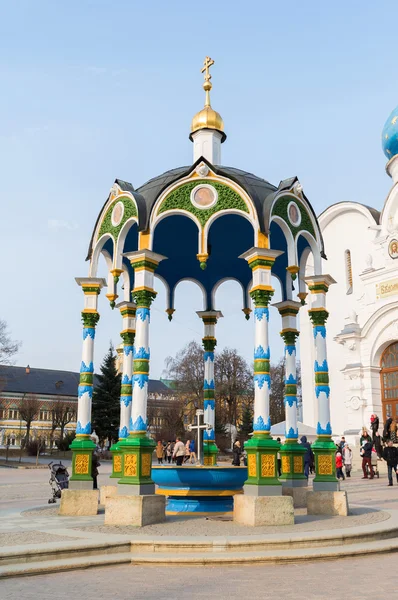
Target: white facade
pixel 363 311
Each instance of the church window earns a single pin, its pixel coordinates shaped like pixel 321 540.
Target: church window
pixel 348 271
pixel 3 413
pixel 45 415
pixel 389 381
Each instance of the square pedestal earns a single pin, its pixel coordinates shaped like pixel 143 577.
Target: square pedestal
pixel 256 511
pixel 107 491
pixel 298 493
pixel 327 503
pixel 79 503
pixel 135 510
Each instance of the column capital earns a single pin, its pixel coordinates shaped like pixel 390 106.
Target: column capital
pixel 126 308
pixel 265 254
pixel 149 259
pixel 91 285
pixel 288 308
pixel 319 283
pixel 210 316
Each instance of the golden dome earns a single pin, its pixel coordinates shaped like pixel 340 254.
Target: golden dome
pixel 207 118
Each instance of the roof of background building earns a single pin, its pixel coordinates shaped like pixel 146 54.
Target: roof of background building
pixel 51 382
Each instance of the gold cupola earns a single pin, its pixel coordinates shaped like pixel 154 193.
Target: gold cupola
pixel 207 118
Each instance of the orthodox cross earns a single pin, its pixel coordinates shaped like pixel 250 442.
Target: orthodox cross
pixel 206 65
pixel 200 427
pixel 207 84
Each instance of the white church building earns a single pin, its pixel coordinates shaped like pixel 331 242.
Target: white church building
pixel 362 256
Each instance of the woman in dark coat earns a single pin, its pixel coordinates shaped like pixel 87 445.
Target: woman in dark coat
pixel 237 452
pixel 386 430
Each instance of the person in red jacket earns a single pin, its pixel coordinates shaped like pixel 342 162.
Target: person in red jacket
pixel 339 465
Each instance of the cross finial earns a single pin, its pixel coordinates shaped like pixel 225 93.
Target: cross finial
pixel 208 62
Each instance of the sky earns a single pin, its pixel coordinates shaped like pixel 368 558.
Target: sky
pixel 94 90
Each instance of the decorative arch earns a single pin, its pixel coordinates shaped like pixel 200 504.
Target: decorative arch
pixel 314 249
pixel 196 282
pixel 245 293
pixel 170 214
pixel 120 243
pixel 291 248
pixel 97 252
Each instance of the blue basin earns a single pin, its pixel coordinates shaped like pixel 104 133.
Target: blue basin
pixel 199 490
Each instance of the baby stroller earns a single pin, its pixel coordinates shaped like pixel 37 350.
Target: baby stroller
pixel 59 480
pixel 375 468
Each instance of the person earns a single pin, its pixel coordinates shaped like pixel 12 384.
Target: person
pixel 237 451
pixel 187 451
pixel 339 465
pixel 342 444
pixel 386 430
pixel 366 452
pixel 168 452
pixel 365 437
pixel 307 455
pixel 279 459
pixel 390 455
pixel 374 425
pixel 179 452
pixel 394 432
pixel 95 463
pixel 192 451
pixel 159 452
pixel 347 459
pixel 378 445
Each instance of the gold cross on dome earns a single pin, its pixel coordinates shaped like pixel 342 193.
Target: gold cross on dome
pixel 206 65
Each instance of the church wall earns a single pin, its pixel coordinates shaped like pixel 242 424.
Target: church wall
pixel 344 229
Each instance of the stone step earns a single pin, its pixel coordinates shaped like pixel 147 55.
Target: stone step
pixel 202 558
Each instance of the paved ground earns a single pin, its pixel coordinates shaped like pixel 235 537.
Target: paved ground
pixel 351 577
pixel 333 580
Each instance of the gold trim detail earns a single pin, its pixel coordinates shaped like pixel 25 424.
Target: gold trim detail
pixel 285 464
pixel 298 466
pixel 325 464
pixel 130 465
pixel 267 465
pixel 81 464
pixel 252 465
pixel 146 461
pixel 117 463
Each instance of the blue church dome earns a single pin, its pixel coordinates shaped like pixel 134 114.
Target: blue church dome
pixel 389 136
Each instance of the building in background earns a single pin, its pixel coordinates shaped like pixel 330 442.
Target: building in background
pixel 51 390
pixel 362 341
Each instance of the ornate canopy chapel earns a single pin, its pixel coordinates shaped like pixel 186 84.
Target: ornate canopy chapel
pixel 207 223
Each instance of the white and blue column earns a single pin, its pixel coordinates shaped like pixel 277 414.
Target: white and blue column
pixel 324 447
pixel 209 341
pixel 82 446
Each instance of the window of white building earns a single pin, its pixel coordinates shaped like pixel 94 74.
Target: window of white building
pixel 348 271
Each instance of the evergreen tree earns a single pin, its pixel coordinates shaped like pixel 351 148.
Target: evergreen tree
pixel 106 400
pixel 246 425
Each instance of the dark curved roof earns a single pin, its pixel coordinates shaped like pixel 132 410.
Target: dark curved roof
pixel 375 213
pixel 261 192
pixel 257 188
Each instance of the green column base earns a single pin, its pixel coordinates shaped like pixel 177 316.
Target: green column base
pixel 262 465
pixel 116 460
pixel 210 452
pixel 82 448
pixel 136 466
pixel 292 456
pixel 324 450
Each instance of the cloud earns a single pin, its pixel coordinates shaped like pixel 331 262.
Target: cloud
pixel 58 224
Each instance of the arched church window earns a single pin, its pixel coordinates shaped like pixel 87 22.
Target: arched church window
pixel 389 381
pixel 348 271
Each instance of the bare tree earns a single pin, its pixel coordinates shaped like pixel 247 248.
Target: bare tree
pixel 186 370
pixel 277 395
pixel 7 347
pixel 234 382
pixel 62 413
pixel 29 407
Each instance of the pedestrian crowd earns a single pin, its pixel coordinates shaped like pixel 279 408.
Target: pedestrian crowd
pixel 176 452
